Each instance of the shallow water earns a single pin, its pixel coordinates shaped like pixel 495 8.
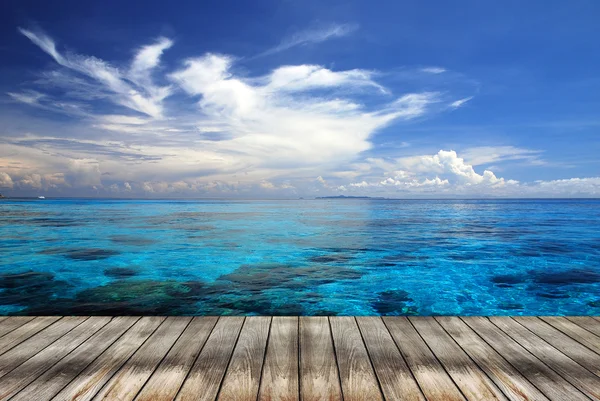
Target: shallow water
pixel 308 257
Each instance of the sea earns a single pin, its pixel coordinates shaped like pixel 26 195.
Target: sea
pixel 299 257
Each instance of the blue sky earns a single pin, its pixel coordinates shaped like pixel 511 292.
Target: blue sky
pixel 287 99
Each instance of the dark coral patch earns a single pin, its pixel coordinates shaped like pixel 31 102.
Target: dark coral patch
pixel 330 258
pixel 30 289
pixel 506 280
pixel 129 240
pixel 395 302
pixel 567 277
pixel 81 254
pixel 269 276
pixel 120 272
pixel 510 306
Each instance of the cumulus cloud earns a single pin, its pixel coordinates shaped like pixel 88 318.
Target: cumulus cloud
pixel 234 133
pixel 5 180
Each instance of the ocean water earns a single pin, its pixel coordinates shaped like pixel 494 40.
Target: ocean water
pixel 300 257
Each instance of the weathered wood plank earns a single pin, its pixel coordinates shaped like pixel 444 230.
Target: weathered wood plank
pixel 506 377
pixel 427 370
pixel 563 343
pixel 165 382
pixel 28 371
pixel 319 378
pixel 16 356
pixel 545 379
pixel 574 373
pixel 129 379
pixel 280 371
pixel 587 322
pixel 94 376
pixel 356 371
pixel 242 379
pixel 58 376
pixel 572 330
pixel 473 383
pixel 206 375
pixel 395 377
pixel 27 330
pixel 13 322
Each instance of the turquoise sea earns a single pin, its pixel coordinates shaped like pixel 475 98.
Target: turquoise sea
pixel 300 257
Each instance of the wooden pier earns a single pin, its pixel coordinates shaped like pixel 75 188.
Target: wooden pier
pixel 306 358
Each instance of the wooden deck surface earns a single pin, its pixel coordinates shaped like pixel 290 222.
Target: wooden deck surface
pixel 305 358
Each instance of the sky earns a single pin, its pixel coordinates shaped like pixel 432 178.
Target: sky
pixel 288 99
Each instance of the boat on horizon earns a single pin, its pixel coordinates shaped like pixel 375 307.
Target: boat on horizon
pixel 41 197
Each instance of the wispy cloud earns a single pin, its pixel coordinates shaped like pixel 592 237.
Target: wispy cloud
pixel 433 70
pixel 312 35
pixel 143 97
pixel 460 102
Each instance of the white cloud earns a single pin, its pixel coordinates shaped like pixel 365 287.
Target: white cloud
pixel 5 180
pixel 433 70
pixel 314 35
pixel 144 97
pixel 496 154
pixel 460 102
pixel 29 97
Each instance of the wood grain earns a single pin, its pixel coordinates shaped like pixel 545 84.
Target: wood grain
pixel 319 377
pixel 207 373
pixel 94 376
pixel 427 370
pixel 25 331
pixel 13 322
pixel 242 380
pixel 587 322
pixel 474 384
pixel 572 330
pixel 16 356
pixel 357 376
pixel 130 378
pixel 545 379
pixel 574 373
pixel 280 371
pixel 395 377
pixel 504 375
pixel 27 372
pixel 165 382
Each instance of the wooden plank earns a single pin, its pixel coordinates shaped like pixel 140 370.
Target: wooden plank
pixel 395 377
pixel 58 376
pixel 165 382
pixel 427 370
pixel 130 378
pixel 206 375
pixel 13 322
pixel 356 371
pixel 242 379
pixel 28 371
pixel 587 322
pixel 319 377
pixel 89 381
pixel 506 377
pixel 577 333
pixel 473 383
pixel 573 372
pixel 27 330
pixel 563 343
pixel 38 342
pixel 545 379
pixel 280 371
